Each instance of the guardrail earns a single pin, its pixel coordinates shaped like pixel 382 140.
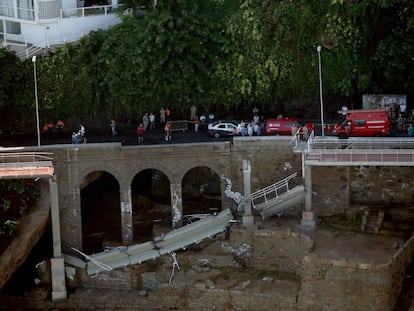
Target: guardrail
pixel 180 125
pixel 271 192
pixel 25 159
pixel 363 143
pixel 88 11
pixel 303 144
pixel 398 157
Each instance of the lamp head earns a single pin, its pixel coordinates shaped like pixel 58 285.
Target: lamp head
pixel 319 48
pixel 34 58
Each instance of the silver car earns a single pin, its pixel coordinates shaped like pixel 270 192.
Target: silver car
pixel 219 129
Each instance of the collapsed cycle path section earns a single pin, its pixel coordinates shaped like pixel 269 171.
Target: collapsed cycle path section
pixel 273 200
pixel 176 239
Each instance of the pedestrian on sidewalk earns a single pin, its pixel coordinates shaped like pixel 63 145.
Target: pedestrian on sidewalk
pixel 193 112
pixel 162 115
pixel 145 121
pixel 196 123
pixel 167 130
pixel 168 114
pixel 152 121
pixel 113 128
pixel 140 133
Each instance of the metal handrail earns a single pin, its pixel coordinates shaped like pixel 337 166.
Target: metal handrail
pixel 88 10
pixel 363 143
pixel 24 159
pixel 262 196
pixel 397 156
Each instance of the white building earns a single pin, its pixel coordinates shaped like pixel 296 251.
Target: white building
pixel 41 24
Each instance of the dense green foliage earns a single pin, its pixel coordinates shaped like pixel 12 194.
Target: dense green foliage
pixel 221 55
pixel 17 198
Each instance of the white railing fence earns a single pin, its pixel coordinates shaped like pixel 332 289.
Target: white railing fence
pixel 22 159
pixel 271 192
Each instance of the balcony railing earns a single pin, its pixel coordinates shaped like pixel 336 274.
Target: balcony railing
pixel 88 11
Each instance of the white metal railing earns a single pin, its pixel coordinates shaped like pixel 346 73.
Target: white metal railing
pixel 383 156
pixel 24 159
pixel 68 38
pixel 22 13
pixel 271 192
pixel 363 143
pixel 299 143
pixel 54 41
pixel 88 11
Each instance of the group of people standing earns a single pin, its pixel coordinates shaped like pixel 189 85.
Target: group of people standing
pixel 148 123
pixel 202 119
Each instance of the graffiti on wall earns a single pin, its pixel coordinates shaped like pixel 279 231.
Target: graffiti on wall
pixel 383 101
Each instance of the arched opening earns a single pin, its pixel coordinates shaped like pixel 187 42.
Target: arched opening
pixel 151 204
pixel 201 191
pixel 100 211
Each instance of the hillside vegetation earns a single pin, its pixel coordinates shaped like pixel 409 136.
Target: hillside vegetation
pixel 222 56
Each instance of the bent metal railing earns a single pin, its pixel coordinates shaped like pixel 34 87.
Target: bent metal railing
pixel 271 192
pixel 172 241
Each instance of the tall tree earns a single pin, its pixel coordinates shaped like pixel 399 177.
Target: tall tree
pixel 168 57
pixel 16 92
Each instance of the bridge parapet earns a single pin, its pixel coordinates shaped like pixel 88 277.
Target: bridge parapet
pixel 26 164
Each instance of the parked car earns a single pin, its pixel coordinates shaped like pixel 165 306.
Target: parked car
pixel 219 129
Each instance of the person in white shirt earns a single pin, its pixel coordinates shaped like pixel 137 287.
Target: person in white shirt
pixel 403 109
pixel 344 112
pixel 152 121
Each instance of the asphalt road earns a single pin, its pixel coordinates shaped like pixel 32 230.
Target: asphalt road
pixel 127 137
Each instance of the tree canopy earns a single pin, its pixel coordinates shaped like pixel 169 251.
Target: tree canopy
pixel 221 55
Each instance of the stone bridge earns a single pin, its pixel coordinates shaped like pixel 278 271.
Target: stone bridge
pixel 329 187
pixel 77 166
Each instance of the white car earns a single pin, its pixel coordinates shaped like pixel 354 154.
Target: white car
pixel 219 129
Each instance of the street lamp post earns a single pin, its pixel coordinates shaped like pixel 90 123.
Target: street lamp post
pixel 36 100
pixel 319 48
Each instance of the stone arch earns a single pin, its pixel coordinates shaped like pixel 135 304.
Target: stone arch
pixel 215 165
pixel 199 162
pixel 108 167
pixel 100 211
pixel 201 191
pixel 132 172
pixel 151 204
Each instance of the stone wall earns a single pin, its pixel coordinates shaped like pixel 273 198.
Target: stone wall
pixel 382 184
pixel 343 285
pixel 329 190
pixel 271 159
pixel 334 188
pixel 325 284
pixel 281 250
pixel 164 298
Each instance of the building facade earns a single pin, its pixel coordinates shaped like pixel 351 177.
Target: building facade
pixel 44 23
